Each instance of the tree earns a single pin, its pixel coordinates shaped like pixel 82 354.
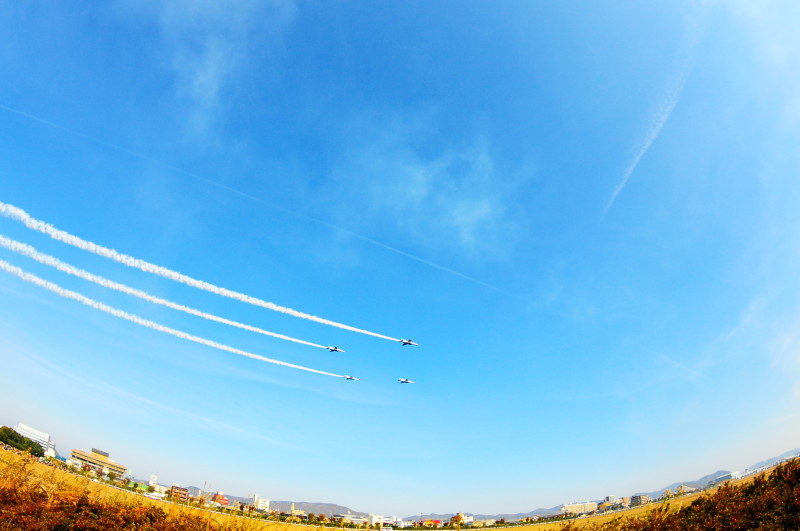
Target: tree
pixel 20 442
pixel 667 494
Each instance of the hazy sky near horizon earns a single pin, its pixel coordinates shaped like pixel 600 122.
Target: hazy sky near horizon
pixel 586 213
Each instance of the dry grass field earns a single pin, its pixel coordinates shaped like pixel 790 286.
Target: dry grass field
pixel 56 487
pixel 35 496
pixel 636 512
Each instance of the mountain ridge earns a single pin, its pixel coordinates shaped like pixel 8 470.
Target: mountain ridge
pixel 328 508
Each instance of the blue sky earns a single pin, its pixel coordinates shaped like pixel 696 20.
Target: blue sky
pixel 586 214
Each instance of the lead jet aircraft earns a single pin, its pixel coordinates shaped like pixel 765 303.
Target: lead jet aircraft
pixel 405 342
pixel 348 377
pixel 334 349
pixel 404 380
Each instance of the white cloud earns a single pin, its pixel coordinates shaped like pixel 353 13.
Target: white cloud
pixel 771 26
pixel 206 45
pixel 453 197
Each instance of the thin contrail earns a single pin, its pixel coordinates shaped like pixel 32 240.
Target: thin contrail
pixel 30 252
pixel 58 290
pixel 18 214
pixel 694 24
pixel 655 129
pixel 257 199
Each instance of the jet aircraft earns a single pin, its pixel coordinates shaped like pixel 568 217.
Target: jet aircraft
pixel 334 349
pixel 404 380
pixel 405 342
pixel 348 377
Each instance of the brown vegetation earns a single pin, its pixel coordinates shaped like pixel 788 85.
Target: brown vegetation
pixel 35 497
pixel 770 501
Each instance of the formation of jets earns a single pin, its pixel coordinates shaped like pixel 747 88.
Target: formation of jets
pixel 403 342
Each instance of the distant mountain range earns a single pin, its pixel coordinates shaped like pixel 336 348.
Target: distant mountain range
pixel 697 483
pixel 285 506
pixel 331 508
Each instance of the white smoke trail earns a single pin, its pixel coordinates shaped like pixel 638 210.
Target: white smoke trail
pixel 55 288
pixel 275 206
pixel 661 116
pixel 18 214
pixel 694 27
pixel 30 252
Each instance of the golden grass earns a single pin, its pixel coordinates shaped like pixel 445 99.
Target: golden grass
pixel 53 479
pixel 635 512
pixel 14 467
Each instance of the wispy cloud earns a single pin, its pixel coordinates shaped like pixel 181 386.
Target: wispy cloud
pixel 662 111
pixel 85 383
pixel 660 116
pixel 689 371
pixel 772 29
pixel 453 196
pixel 260 200
pixel 207 44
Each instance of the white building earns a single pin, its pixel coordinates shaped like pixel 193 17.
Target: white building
pixel 579 508
pixel 260 504
pixel 153 480
pixel 40 437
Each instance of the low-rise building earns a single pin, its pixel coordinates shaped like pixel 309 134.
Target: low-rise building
pixel 220 499
pixel 579 508
pixel 461 519
pixel 727 477
pixel 260 504
pixel 639 499
pixel 98 461
pixel 179 494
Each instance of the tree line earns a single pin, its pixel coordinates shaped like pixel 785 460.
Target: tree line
pixel 20 442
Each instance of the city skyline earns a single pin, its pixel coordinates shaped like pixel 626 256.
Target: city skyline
pixel 568 507
pixel 584 214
